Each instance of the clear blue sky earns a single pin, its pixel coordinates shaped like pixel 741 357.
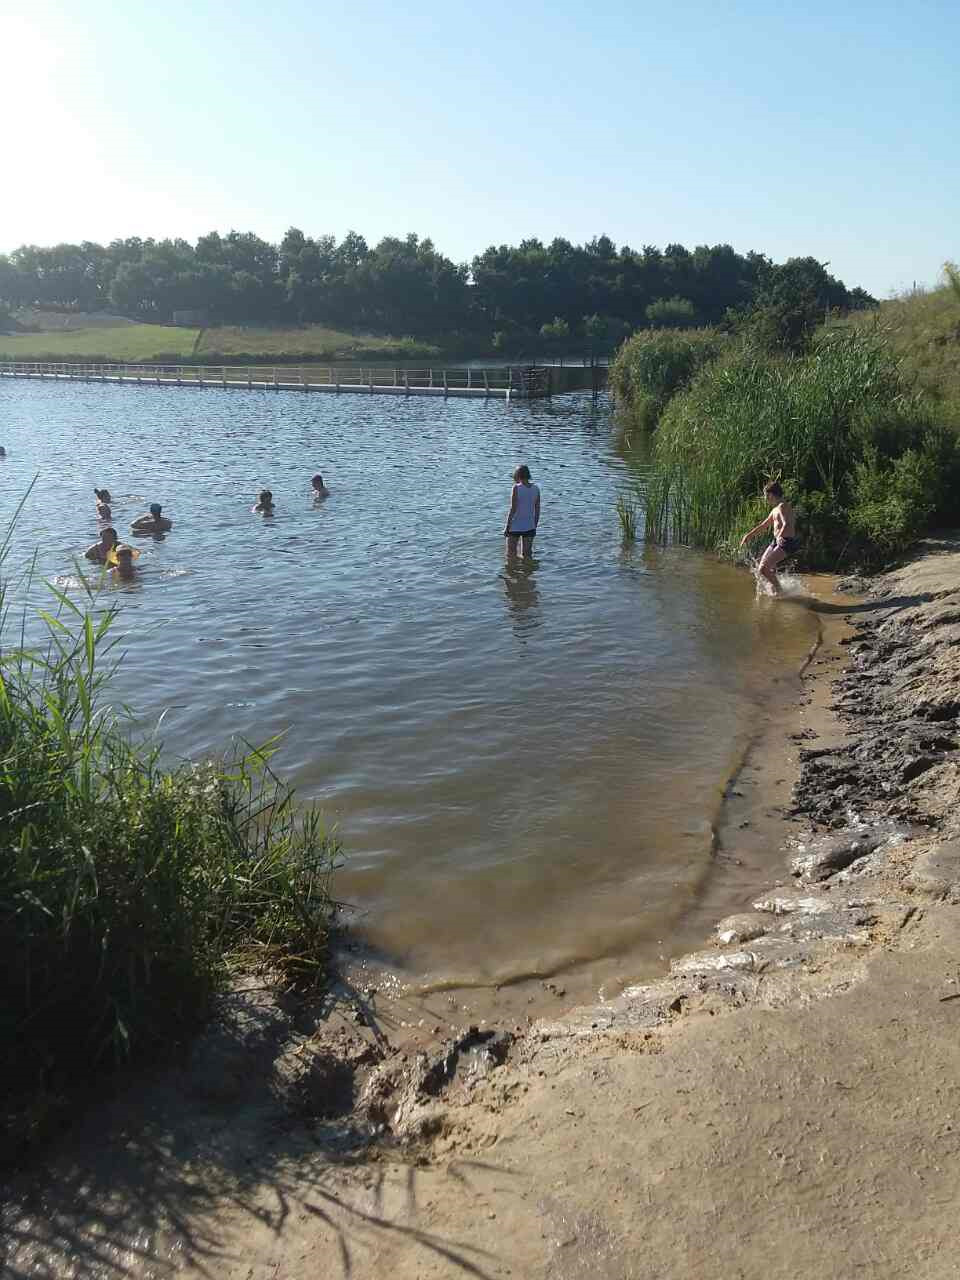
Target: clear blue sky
pixel 821 128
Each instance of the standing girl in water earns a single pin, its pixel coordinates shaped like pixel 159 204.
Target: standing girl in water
pixel 524 514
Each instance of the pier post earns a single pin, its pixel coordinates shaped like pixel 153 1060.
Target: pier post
pixel 276 381
pixel 445 388
pixel 486 382
pixel 469 378
pixel 406 381
pixel 223 371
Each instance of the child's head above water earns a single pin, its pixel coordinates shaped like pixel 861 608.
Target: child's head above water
pixel 773 492
pixel 108 536
pixel 265 498
pixel 155 509
pixel 317 481
pixel 124 556
pixel 522 474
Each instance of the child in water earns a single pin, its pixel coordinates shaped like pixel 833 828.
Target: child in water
pixel 524 514
pixel 152 522
pixel 264 503
pixel 99 552
pixel 103 504
pixel 123 566
pixel 320 490
pixel 783 524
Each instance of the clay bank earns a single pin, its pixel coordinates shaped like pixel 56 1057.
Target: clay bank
pixel 785 1102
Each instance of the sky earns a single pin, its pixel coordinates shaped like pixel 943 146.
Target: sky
pixel 823 128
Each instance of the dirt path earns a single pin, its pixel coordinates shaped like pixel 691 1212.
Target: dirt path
pixel 786 1103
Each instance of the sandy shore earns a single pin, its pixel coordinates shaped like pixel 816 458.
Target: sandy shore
pixel 785 1103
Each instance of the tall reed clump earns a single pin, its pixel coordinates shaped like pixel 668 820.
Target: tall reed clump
pixel 653 366
pixel 129 889
pixel 853 443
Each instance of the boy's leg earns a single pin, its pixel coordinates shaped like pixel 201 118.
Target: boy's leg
pixel 526 547
pixel 767 568
pixel 512 542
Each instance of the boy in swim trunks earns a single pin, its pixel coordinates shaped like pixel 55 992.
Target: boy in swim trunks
pixel 783 524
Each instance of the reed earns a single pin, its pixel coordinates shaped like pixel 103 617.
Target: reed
pixel 627 514
pixel 808 422
pixel 653 366
pixel 129 889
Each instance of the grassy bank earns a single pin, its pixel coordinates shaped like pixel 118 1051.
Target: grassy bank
pixel 312 342
pixel 861 427
pixel 128 889
pixel 923 330
pixel 133 343
pixel 853 442
pixel 223 345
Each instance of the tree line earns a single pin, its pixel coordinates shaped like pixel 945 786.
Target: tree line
pixel 506 295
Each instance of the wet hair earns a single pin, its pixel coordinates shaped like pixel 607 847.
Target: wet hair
pixel 121 549
pixel 522 473
pixel 317 481
pixel 155 508
pixel 110 529
pixel 774 489
pixel 266 497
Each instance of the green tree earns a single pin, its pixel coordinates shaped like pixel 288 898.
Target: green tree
pixel 671 313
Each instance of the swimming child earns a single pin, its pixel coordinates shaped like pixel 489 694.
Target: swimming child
pixel 103 510
pixel 153 522
pixel 320 490
pixel 784 527
pixel 99 552
pixel 123 558
pixel 103 495
pixel 264 503
pixel 524 514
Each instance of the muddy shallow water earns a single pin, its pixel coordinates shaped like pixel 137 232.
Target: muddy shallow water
pixel 525 764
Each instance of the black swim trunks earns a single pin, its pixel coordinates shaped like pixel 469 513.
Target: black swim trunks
pixel 526 533
pixel 790 546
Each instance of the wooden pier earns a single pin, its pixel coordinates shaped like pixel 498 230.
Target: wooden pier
pixel 518 382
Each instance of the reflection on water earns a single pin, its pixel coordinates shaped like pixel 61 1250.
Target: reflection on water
pixel 523 596
pixel 523 758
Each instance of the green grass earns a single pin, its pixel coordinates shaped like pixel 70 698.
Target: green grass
pixel 652 366
pixel 627 514
pixel 923 330
pixel 312 342
pixel 129 889
pixel 227 345
pixel 137 342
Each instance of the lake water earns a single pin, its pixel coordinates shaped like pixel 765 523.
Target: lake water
pixel 524 764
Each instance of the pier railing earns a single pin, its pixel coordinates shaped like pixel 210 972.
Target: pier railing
pixel 504 382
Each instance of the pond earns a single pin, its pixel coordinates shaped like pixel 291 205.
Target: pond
pixel 525 762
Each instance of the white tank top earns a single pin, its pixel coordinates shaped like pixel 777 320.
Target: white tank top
pixel 523 518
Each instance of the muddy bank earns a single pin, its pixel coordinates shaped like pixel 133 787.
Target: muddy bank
pixel 784 1103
